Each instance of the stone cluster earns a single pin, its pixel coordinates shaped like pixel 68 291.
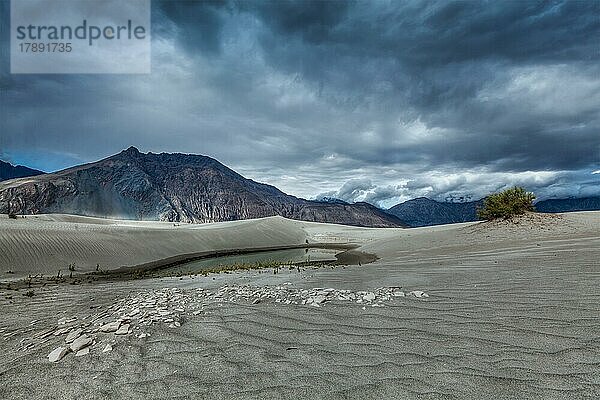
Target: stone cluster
pixel 132 315
pixel 313 297
pixel 121 319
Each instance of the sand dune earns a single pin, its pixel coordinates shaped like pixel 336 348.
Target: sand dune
pixel 46 243
pixel 512 314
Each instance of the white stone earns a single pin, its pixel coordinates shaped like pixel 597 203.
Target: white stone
pixel 107 348
pixel 83 352
pixel 369 297
pixel 57 354
pixel 418 294
pixel 123 330
pixel 319 299
pixel 398 294
pixel 110 327
pixel 81 342
pixel 74 334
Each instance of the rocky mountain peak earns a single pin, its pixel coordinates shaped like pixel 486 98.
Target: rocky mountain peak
pixel 173 187
pixel 132 150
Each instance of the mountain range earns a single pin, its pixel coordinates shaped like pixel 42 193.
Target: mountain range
pixel 570 204
pixel 172 187
pixel 193 188
pixel 9 171
pixel 425 212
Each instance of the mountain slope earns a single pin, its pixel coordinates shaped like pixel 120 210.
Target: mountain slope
pixel 171 187
pixel 566 205
pixel 9 171
pixel 425 212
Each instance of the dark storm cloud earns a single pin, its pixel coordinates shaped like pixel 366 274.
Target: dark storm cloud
pixel 373 101
pixel 313 21
pixel 197 25
pixel 430 34
pixel 435 58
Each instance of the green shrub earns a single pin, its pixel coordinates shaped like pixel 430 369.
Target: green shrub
pixel 506 204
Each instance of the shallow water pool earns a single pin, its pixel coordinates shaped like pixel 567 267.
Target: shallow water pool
pixel 289 256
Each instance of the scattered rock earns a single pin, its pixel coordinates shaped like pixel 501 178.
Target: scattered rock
pixel 136 312
pixel 110 327
pixel 83 352
pixel 123 330
pixel 81 342
pixel 57 354
pixel 319 299
pixel 74 334
pixel 369 296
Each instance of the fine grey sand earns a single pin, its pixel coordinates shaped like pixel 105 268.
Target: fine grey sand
pixel 46 243
pixel 513 313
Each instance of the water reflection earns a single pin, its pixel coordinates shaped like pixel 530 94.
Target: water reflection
pixel 267 258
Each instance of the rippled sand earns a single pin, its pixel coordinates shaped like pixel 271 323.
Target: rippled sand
pixel 513 312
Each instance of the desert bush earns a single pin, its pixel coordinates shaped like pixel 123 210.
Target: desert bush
pixel 506 204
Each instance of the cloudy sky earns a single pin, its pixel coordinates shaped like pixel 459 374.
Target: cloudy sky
pixel 378 101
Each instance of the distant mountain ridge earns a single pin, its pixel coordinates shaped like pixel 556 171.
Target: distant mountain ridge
pixel 569 204
pixel 426 212
pixel 172 187
pixel 331 200
pixel 9 171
